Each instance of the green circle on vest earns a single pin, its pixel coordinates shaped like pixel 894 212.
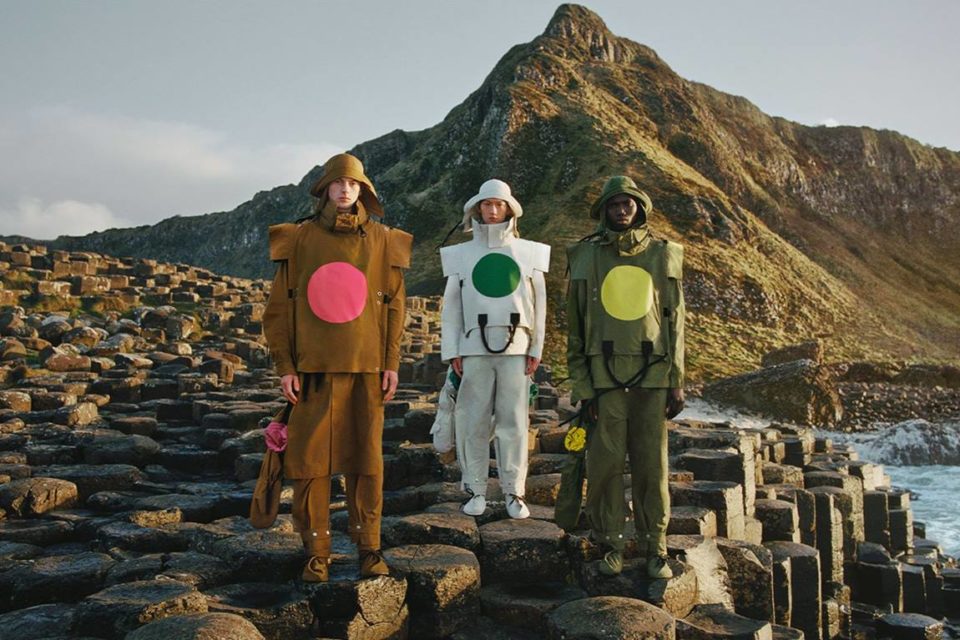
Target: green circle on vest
pixel 627 292
pixel 496 275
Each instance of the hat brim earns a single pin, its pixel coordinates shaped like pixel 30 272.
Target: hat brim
pixel 368 195
pixel 646 205
pixel 472 207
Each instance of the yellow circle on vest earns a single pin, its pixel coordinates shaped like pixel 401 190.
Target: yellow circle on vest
pixel 627 292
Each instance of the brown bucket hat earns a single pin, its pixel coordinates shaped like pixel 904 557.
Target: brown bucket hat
pixel 344 165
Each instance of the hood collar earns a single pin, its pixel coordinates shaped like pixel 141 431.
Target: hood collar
pixel 494 235
pixel 629 242
pixel 329 214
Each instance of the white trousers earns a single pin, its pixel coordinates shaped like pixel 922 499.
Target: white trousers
pixel 497 386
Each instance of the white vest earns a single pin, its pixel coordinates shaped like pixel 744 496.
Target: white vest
pixel 496 270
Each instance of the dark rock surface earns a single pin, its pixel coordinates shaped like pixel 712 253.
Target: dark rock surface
pixel 800 391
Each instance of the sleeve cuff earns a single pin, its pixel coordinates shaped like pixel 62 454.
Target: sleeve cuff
pixel 392 362
pixel 582 391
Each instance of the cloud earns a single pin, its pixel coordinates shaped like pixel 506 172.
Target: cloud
pixel 125 171
pixel 34 219
pixel 829 122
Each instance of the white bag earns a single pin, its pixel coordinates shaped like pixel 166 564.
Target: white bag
pixel 443 425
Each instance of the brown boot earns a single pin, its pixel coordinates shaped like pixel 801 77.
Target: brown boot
pixel 372 564
pixel 317 569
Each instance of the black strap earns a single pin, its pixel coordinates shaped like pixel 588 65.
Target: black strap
pixel 449 233
pixel 646 348
pixel 514 323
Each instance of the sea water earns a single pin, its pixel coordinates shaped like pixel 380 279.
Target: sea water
pixel 934 488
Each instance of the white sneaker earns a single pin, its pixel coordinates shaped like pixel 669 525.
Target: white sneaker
pixel 516 507
pixel 475 506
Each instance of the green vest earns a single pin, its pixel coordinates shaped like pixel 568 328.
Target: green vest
pixel 625 310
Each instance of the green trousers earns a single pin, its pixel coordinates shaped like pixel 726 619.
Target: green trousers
pixel 629 422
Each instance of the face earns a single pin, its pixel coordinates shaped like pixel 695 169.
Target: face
pixel 343 192
pixel 494 210
pixel 621 212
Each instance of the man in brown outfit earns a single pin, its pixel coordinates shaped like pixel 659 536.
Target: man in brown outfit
pixel 333 323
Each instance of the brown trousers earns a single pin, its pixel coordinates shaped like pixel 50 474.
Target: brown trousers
pixel 311 512
pixel 336 427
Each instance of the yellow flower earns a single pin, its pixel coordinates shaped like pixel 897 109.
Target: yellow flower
pixel 576 438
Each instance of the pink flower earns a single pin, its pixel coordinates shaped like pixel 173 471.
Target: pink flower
pixel 276 436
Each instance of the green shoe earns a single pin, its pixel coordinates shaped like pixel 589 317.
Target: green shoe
pixel 657 567
pixel 612 563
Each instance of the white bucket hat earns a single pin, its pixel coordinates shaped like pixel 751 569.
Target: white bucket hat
pixel 490 189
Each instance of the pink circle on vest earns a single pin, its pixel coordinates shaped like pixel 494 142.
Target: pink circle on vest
pixel 337 292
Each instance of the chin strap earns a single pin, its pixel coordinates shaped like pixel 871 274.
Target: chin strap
pixel 514 323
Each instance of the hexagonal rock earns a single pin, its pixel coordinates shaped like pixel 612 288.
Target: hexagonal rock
pixel 804 585
pixel 610 618
pixel 909 626
pixel 133 449
pixel 359 609
pixel 36 496
pixel 677 595
pixel 195 508
pixel 262 554
pixel 443 586
pixel 750 569
pixel 15 471
pixel 277 610
pixel 544 463
pixel 523 551
pixel 10 552
pixel 91 478
pixel 526 606
pixel 39 532
pixel 543 489
pixel 200 570
pixel 713 621
pixel 118 610
pixel 15 400
pixel 724 498
pixel 786 633
pixel 131 536
pixel 692 521
pixel 704 557
pixel 54 579
pixel 781 520
pixel 35 623
pixel 455 529
pixel 198 626
pixel 136 425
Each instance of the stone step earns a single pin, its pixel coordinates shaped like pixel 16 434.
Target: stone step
pixel 609 618
pixel 712 621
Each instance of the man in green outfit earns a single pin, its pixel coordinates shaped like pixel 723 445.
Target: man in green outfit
pixel 625 355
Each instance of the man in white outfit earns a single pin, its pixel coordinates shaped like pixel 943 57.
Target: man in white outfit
pixel 493 326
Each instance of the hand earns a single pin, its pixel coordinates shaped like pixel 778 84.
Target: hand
pixel 532 364
pixel 674 403
pixel 290 385
pixel 390 381
pixel 457 364
pixel 589 408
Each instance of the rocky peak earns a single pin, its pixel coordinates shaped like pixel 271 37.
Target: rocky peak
pixel 586 33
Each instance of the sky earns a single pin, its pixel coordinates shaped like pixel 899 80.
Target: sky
pixel 121 113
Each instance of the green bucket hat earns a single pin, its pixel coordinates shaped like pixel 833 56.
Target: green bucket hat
pixel 614 187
